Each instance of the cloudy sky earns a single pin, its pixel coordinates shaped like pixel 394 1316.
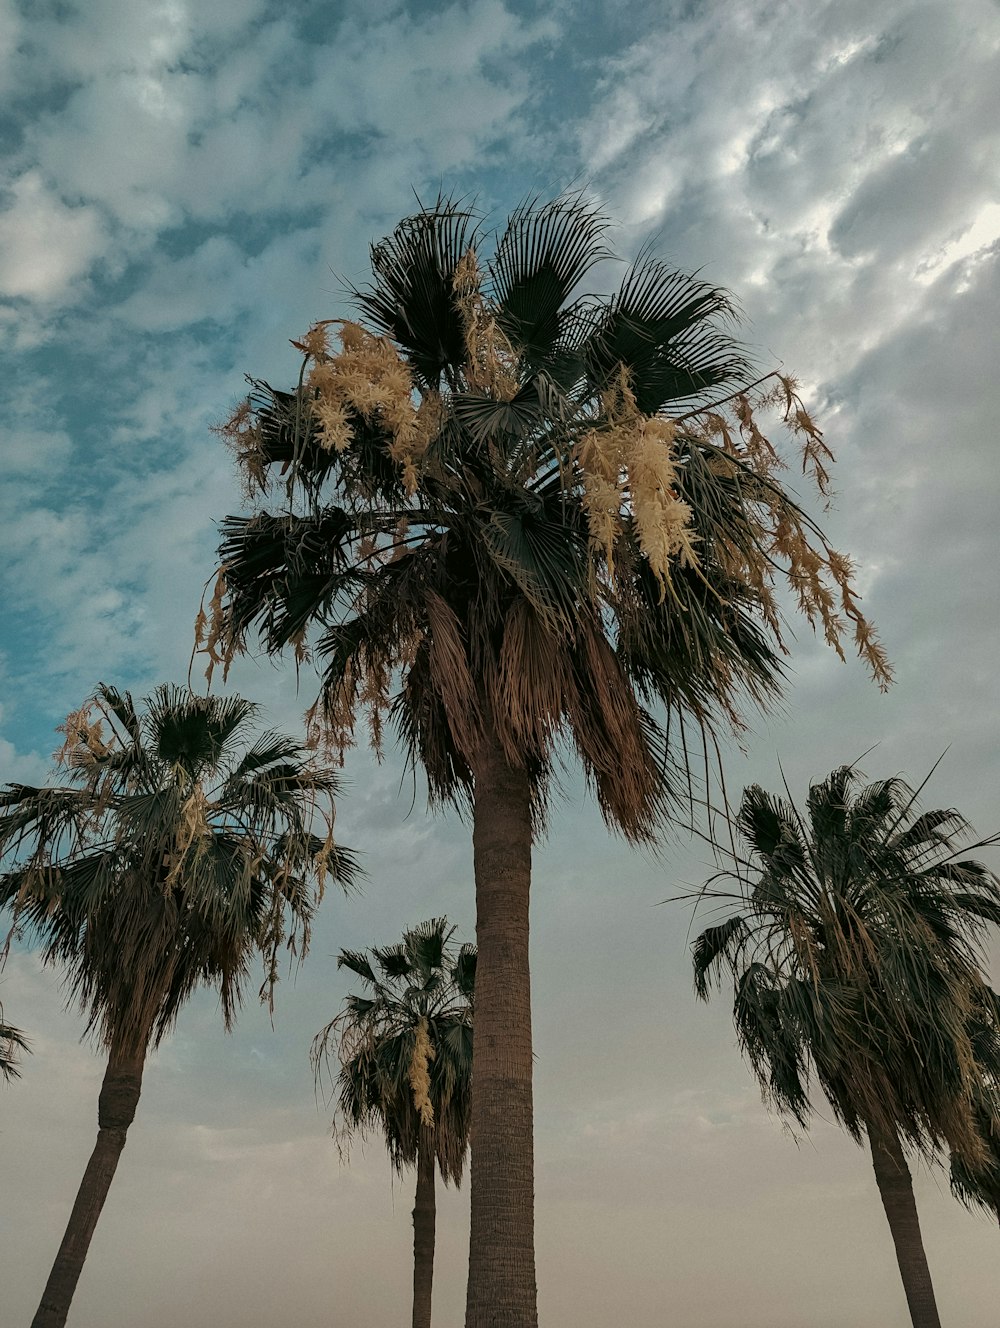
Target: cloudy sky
pixel 184 188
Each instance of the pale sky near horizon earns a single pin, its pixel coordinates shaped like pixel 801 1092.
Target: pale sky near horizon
pixel 184 188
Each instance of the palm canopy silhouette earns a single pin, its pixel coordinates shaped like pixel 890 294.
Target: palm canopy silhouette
pixel 404 1052
pixel 517 520
pixel 174 854
pixel 855 956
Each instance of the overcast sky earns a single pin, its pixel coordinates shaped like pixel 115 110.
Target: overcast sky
pixel 187 186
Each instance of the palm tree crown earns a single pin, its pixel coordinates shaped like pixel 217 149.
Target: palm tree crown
pixel 485 500
pixel 856 956
pixel 169 858
pixel 405 1047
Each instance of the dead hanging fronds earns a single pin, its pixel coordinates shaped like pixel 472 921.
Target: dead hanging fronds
pixel 451 675
pixel 779 538
pixel 419 1074
pixel 211 636
pixel 529 687
pixel 491 360
pixel 241 434
pixel 84 746
pixel 194 832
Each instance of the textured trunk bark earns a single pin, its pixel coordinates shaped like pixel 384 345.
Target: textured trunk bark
pixel 115 1113
pixel 502 1239
pixel 424 1217
pixel 896 1189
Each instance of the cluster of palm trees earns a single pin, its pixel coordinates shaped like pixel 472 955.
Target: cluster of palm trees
pixel 516 523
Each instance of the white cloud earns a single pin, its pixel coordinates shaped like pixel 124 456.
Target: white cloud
pixel 45 245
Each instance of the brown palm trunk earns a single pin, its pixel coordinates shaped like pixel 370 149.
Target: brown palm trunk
pixel 115 1113
pixel 502 1238
pixel 424 1216
pixel 896 1189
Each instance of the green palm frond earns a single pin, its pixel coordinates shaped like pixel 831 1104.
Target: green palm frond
pixel 411 296
pixel 463 974
pixel 713 947
pixel 12 1042
pixel 663 326
pixel 357 962
pixel 540 259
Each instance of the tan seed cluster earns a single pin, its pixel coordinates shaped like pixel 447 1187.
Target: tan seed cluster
pixel 419 1073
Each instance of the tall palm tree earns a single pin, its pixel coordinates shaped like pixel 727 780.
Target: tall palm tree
pixel 855 959
pixel 514 521
pixel 405 1068
pixel 12 1040
pixel 170 857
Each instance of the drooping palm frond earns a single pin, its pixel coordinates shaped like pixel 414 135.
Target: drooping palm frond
pixel 173 854
pixel 975 1182
pixel 419 987
pixel 856 956
pixel 12 1042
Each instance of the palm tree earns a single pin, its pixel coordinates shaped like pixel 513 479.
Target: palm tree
pixel 405 1057
pixel 855 959
pixel 490 532
pixel 168 859
pixel 12 1040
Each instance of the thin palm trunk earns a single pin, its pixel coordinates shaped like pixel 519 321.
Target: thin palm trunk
pixel 115 1113
pixel 896 1189
pixel 501 1242
pixel 424 1217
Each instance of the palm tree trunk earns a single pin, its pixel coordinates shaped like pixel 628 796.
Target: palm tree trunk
pixel 424 1216
pixel 116 1111
pixel 502 1238
pixel 896 1189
